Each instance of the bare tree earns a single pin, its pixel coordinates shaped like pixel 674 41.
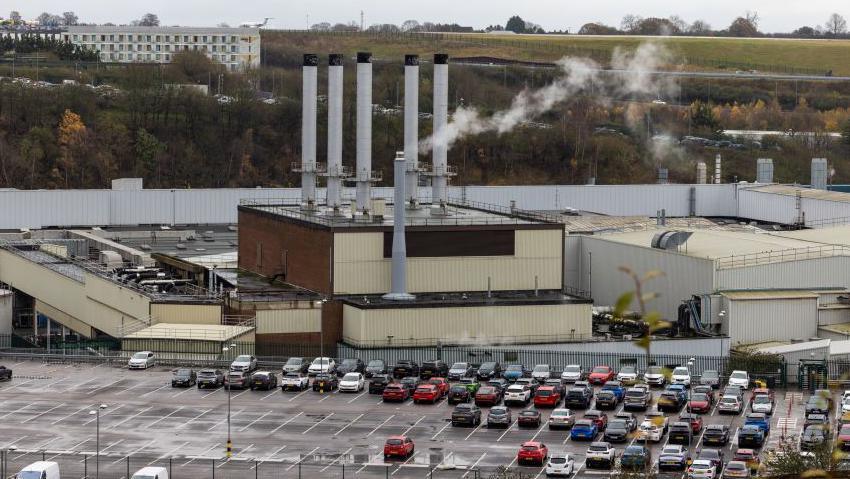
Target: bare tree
pixel 699 27
pixel 15 17
pixel 679 23
pixel 753 18
pixel 70 18
pixel 410 26
pixel 49 20
pixel 223 25
pixel 321 27
pixel 630 23
pixel 149 20
pixel 836 25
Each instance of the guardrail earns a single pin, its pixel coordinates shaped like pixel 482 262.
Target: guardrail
pixel 780 256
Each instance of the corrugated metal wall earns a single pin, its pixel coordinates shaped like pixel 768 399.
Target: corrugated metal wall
pixel 756 321
pixel 306 320
pixel 186 313
pixel 828 316
pixel 809 273
pixel 768 207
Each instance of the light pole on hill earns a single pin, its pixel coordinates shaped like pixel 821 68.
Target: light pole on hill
pixel 96 413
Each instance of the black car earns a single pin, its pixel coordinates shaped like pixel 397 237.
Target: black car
pixel 264 380
pixel 670 401
pixel 5 374
pixel 751 436
pixel 184 378
pixel 433 369
pixel 296 365
pixel 489 370
pixel 376 366
pixel 236 380
pixel 458 393
pixel 528 418
pixel 812 437
pixel 210 378
pixel 716 457
pixel 404 368
pixel 578 398
pixel 617 430
pixel 410 383
pixel 680 433
pixel 325 382
pixel 466 414
pixel 379 382
pixel 817 405
pixel 350 366
pixel 606 400
pixel 716 435
pixel 500 383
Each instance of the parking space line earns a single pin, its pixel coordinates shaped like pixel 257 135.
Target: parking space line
pixel 270 394
pixel 405 462
pixel 286 422
pixel 298 395
pixel 302 459
pixel 211 393
pixel 413 425
pixel 248 426
pixel 16 411
pixel 72 414
pixel 164 417
pixel 225 419
pixel 239 394
pixel 314 425
pixel 155 390
pixel 224 463
pixel 130 454
pixel 380 425
pixel 38 448
pixel 349 424
pixel 108 412
pixel 93 391
pixel 184 391
pixel 78 386
pixel 356 397
pixel 434 437
pixel 42 414
pixel 131 417
pixel 474 464
pixel 169 453
pixel 473 430
pixel 269 456
pixel 194 418
pixel 201 454
pixel 507 429
pixel 337 459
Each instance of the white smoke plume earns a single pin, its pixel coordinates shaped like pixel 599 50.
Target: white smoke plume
pixel 632 74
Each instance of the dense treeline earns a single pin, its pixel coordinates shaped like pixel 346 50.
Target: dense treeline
pixel 35 44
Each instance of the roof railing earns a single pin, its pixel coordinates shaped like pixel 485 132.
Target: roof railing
pixel 780 256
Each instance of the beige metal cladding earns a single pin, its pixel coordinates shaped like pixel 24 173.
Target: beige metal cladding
pixel 471 323
pixel 756 321
pixel 117 297
pixel 304 320
pixel 186 313
pixel 360 266
pixel 44 284
pixel 63 318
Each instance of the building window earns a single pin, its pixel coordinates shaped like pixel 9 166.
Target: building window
pixel 204 39
pixel 147 38
pixel 111 38
pixel 75 38
pixel 233 58
pixel 167 57
pixel 120 38
pixel 195 39
pixel 103 38
pixel 158 47
pixel 233 48
pixel 232 39
pixel 215 48
pixel 158 38
pixel 129 38
pixel 168 48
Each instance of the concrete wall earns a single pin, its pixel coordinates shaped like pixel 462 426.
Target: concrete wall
pixel 6 311
pixel 64 319
pixel 360 266
pixel 484 324
pixel 754 321
pixel 279 321
pixel 186 313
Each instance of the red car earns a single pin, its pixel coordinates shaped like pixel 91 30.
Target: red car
pixel 601 374
pixel 694 420
pixel 750 457
pixel 395 392
pixel 398 446
pixel 547 396
pixel 533 453
pixel 700 403
pixel 844 437
pixel 442 385
pixel 598 417
pixel 487 396
pixel 426 393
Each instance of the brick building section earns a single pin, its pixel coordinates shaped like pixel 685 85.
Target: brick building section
pixel 273 246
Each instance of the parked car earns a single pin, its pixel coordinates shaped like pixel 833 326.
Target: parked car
pixel 410 382
pixel 821 420
pixel 459 371
pixel 652 429
pixel 353 382
pixel 703 389
pixel 681 375
pixel 762 400
pixel 532 452
pixel 583 429
pixel 322 366
pixel 466 414
pixel 426 393
pixel 751 436
pixel 598 417
pixel 654 376
pixel 39 470
pixel 395 392
pixel 499 416
pixel 530 383
pixel 184 377
pixel 636 399
pixel 399 446
pixel 617 431
pixel 680 433
pixel 244 362
pixel 488 396
pixel 471 384
pixel 636 458
pixel 376 366
pixel 714 456
pixel 812 437
pixel 710 377
pixel 441 384
pixel 630 419
pixel 843 439
pixel 578 398
pixel 236 380
pixel 673 458
pixel 736 391
pixel 547 396
pixel 500 383
pixel 669 401
pixel 489 370
pixel 694 420
pixel 748 456
pixel 458 394
pixel 818 404
pixel 142 360
pixel 528 418
pixel 404 368
pixel 560 464
pixel 434 368
pixel 5 374
pixel 600 455
pixel 700 403
pixel 294 382
pixel 572 373
pixel 324 382
pixel 150 472
pixel 716 435
pixel 628 375
pixel 265 380
pixel 561 418
pixel 379 382
pixel 296 365
pixel 730 405
pixel 513 372
pixel 210 378
pixel 606 400
pixel 736 469
pixel 600 375
pixel 557 384
pixel 702 469
pixel 761 420
pixel 351 365
pixel 541 372
pixel 739 378
pixel 518 394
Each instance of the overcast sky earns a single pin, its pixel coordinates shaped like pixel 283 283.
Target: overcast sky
pixel 776 15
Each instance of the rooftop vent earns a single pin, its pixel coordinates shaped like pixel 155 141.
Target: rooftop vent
pixel 670 240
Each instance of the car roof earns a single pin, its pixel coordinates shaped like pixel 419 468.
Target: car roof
pixel 398 436
pixel 532 443
pixel 601 443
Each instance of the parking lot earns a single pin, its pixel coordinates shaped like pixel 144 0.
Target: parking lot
pixel 45 412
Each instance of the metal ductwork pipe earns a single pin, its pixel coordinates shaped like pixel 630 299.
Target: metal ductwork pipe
pixel 399 262
pixel 441 113
pixel 411 127
pixel 308 129
pixel 364 132
pixel 334 193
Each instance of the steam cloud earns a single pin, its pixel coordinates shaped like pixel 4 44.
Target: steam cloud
pixel 634 74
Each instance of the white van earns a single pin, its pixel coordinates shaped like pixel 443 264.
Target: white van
pixel 151 473
pixel 40 470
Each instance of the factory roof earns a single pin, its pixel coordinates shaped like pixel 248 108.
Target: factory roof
pixel 840 328
pixel 838 235
pixel 769 294
pixel 477 298
pixel 203 332
pixel 791 347
pixel 208 241
pixel 839 347
pixel 590 223
pixel 140 29
pixel 790 190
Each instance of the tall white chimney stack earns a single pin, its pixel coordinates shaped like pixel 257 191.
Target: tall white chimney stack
pixel 411 128
pixel 308 130
pixel 335 169
pixel 399 261
pixel 701 173
pixel 717 177
pixel 363 175
pixel 440 171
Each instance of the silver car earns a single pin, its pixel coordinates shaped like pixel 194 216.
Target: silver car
pixel 561 418
pixel 142 360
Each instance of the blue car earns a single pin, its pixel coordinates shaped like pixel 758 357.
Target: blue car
pixel 616 387
pixel 514 372
pixel 583 429
pixel 680 390
pixel 635 458
pixel 758 419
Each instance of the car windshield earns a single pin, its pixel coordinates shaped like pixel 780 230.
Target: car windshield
pixel 487 390
pixel 735 466
pixel 600 369
pixel 541 368
pixel 680 371
pixel 653 370
pixel 376 363
pixel 738 375
pixel 293 362
pixel 634 451
pixel 498 411
pixel 701 465
pixel 30 475
pixel 634 393
pixel 617 424
pixel 515 367
pixel 572 369
pixel 183 373
pixel 558 460
pixel 487 366
pixel 598 448
pixel 458 388
pixel 394 442
pixel 729 400
pixel 670 450
pixel 206 373
pixel 293 376
pixel 529 448
pixel 463 407
pixel 529 412
pixel 140 356
pixel 761 399
pixel 242 359
pixel 627 370
pixel 423 389
pixel 560 412
pixel 845 429
pixel 320 361
pixel 460 365
pixel 351 377
pixel 699 397
pixel 544 393
pixel 349 362
pixel 709 374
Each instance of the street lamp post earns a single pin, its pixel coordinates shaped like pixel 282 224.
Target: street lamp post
pixel 688 408
pixel 96 414
pixel 4 460
pixel 229 450
pixel 321 305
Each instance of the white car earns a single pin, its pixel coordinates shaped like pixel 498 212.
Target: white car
pixel 572 373
pixel 627 375
pixel 560 465
pixel 142 360
pixel 294 381
pixel 151 472
pixel 653 427
pixel 321 365
pixel 517 393
pixel 244 362
pixel 762 403
pixel 681 375
pixel 40 470
pixel 739 378
pixel 541 372
pixel 702 469
pixel 352 382
pixel 654 376
pixel 845 404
